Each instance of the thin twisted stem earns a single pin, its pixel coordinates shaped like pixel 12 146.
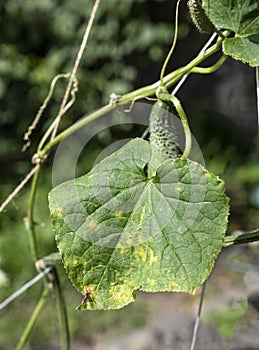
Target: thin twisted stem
pixel 75 67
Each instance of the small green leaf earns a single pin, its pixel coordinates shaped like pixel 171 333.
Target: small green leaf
pixel 242 49
pixel 240 16
pixel 119 231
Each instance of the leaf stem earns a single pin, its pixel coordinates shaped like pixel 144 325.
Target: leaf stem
pixel 186 128
pixel 243 238
pixel 33 319
pixel 164 95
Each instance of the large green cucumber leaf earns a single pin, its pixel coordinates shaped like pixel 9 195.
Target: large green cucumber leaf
pixel 241 17
pixel 119 231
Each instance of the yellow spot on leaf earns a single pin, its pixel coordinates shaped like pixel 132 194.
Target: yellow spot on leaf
pixel 153 258
pixel 92 224
pixel 75 262
pixel 150 239
pixel 174 284
pixel 143 254
pixel 85 263
pixel 127 239
pixel 59 213
pixel 118 214
pixel 142 214
pixel 208 174
pixel 122 251
pixel 121 292
pixel 129 242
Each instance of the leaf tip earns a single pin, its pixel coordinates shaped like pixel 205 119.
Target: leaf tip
pixel 88 294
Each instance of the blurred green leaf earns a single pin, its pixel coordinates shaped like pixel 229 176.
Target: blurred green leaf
pixel 226 319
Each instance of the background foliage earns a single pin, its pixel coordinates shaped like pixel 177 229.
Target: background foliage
pixel 39 39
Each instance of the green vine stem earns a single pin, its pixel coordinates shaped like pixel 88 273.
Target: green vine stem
pixel 75 127
pixel 143 92
pixel 62 313
pixel 30 223
pixel 64 331
pixel 211 69
pixel 172 78
pixel 243 238
pixel 33 319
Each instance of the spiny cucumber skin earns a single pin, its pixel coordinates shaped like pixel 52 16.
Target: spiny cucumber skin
pixel 163 137
pixel 199 17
